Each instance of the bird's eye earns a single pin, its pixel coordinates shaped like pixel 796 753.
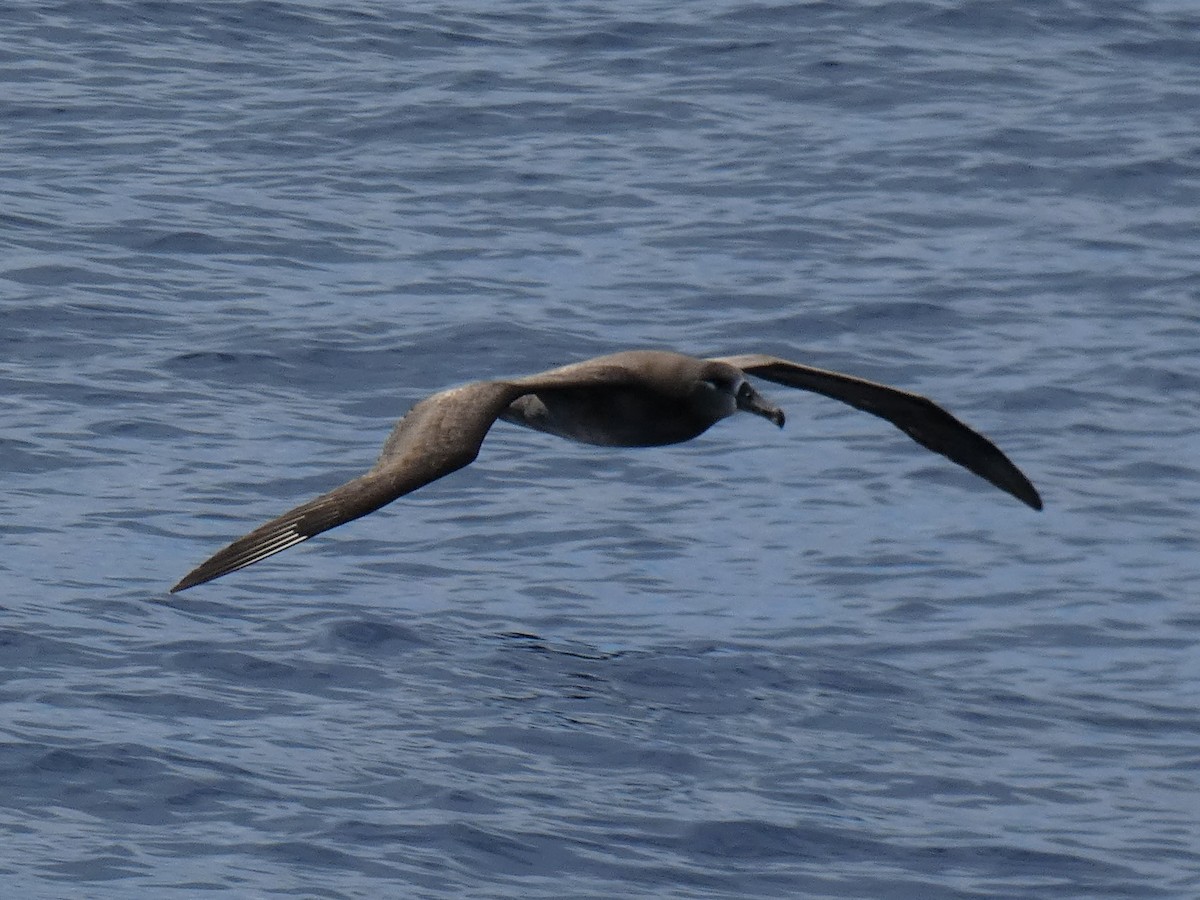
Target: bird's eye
pixel 745 391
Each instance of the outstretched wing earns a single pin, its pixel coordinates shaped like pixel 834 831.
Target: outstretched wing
pixel 438 436
pixel 918 417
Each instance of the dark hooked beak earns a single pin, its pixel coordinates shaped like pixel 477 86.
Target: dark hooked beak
pixel 752 401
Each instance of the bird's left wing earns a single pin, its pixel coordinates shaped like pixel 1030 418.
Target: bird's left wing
pixel 918 417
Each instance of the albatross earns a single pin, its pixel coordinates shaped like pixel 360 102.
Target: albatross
pixel 637 398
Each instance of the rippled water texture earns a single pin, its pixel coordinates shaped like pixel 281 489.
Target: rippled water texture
pixel 241 239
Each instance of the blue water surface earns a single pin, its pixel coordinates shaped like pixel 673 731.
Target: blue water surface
pixel 241 239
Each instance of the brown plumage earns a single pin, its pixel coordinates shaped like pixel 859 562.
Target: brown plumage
pixel 638 398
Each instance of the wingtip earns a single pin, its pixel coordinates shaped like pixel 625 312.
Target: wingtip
pixel 184 583
pixel 1020 487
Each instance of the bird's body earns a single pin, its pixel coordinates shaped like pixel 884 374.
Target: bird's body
pixel 637 398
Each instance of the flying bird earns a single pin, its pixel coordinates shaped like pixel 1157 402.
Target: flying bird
pixel 637 398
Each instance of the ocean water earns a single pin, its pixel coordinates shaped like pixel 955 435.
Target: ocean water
pixel 241 239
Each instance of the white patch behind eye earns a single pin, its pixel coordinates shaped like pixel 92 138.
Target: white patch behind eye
pixel 724 387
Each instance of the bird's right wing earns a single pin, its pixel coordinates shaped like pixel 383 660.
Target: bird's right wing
pixel 438 436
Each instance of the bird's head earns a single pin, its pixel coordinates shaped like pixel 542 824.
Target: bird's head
pixel 723 389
